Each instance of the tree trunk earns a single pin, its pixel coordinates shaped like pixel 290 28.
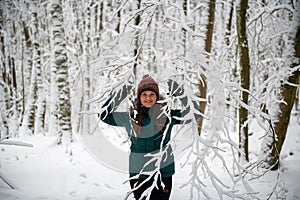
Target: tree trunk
pixel 229 24
pixel 53 127
pixel 297 100
pixel 288 94
pixel 33 60
pixel 60 59
pixel 202 86
pixel 3 112
pixel 26 73
pixel 183 31
pixel 4 131
pixel 29 116
pixel 14 126
pixel 135 53
pixel 86 72
pixel 40 91
pixel 241 19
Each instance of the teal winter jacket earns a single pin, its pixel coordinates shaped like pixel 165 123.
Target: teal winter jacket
pixel 147 143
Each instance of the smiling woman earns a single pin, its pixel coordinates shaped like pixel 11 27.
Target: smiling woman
pixel 148 124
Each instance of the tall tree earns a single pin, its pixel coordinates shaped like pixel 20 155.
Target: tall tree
pixel 61 62
pixel 288 92
pixel 137 47
pixel 86 69
pixel 39 87
pixel 202 85
pixel 241 25
pixel 26 65
pixel 33 65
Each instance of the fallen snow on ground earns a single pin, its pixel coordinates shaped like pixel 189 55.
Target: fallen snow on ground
pixel 47 171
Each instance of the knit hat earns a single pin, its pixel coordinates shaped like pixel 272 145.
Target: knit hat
pixel 147 83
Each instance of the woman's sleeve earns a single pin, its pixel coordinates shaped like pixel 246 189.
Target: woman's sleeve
pixel 176 117
pixel 181 116
pixel 184 116
pixel 116 118
pixel 108 114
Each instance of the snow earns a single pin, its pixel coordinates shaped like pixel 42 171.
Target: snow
pixel 48 171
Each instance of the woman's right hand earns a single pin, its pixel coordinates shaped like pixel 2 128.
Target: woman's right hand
pixel 174 88
pixel 123 93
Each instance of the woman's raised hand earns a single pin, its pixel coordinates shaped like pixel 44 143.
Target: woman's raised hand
pixel 174 88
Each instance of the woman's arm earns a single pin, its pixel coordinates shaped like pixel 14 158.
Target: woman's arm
pixel 178 92
pixel 108 114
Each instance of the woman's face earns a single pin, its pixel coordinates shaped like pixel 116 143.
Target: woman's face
pixel 148 98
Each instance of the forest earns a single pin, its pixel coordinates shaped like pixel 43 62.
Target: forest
pixel 239 60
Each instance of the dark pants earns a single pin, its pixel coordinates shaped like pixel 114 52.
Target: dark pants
pixel 156 194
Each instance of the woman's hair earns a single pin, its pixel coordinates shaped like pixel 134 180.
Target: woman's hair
pixel 156 113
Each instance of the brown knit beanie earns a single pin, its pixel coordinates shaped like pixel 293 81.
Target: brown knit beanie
pixel 147 83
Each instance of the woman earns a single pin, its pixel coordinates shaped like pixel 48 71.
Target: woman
pixel 149 126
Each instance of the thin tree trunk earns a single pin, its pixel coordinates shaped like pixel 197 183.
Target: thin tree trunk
pixel 33 61
pixel 241 20
pixel 3 112
pixel 202 86
pixel 14 119
pixel 135 53
pixel 28 121
pixel 4 130
pixel 26 73
pixel 86 71
pixel 183 31
pixel 229 24
pixel 233 71
pixel 297 100
pixel 53 127
pixel 40 93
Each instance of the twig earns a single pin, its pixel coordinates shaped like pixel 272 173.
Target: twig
pixel 10 184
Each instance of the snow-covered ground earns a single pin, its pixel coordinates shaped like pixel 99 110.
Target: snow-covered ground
pixel 48 171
